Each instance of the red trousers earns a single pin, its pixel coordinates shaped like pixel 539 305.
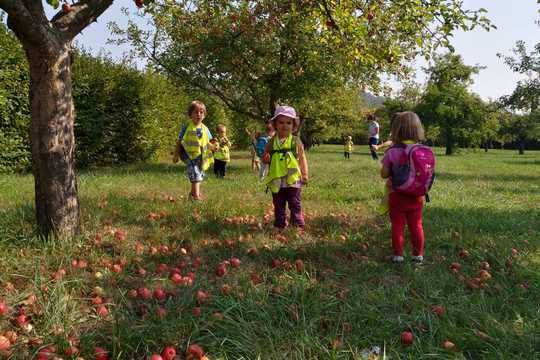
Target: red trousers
pixel 406 210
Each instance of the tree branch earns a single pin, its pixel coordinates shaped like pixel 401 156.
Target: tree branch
pixel 27 21
pixel 81 15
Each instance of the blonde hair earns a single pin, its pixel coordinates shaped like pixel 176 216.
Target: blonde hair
pixel 196 105
pixel 406 126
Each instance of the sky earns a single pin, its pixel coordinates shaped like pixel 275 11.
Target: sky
pixel 515 20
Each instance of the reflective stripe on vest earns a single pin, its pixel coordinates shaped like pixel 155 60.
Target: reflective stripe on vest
pixel 283 163
pixel 195 146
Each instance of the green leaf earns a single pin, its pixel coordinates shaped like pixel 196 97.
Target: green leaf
pixel 54 3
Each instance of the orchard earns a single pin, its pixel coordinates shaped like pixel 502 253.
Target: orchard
pixel 104 256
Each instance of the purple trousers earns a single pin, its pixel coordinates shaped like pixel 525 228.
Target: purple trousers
pixel 289 195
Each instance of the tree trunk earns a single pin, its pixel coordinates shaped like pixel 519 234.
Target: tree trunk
pixel 521 146
pixel 53 142
pixel 449 149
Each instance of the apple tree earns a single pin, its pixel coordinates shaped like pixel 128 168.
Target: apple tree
pixel 47 45
pixel 526 96
pixel 254 54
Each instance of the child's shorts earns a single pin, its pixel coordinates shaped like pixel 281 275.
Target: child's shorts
pixel 194 170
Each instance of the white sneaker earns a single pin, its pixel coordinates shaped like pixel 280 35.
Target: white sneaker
pixel 397 259
pixel 418 259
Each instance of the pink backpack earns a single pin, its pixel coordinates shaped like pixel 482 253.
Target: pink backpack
pixel 415 172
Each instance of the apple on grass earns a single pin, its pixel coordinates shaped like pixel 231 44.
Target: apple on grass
pixel 407 338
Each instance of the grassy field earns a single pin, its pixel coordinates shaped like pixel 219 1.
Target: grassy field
pixel 330 295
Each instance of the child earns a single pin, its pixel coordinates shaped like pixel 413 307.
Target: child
pixel 348 147
pixel 260 146
pixel 255 160
pixel 194 147
pixel 288 168
pixel 373 132
pixel 222 154
pixel 405 208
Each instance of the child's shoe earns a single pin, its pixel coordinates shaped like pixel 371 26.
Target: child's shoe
pixel 397 259
pixel 418 259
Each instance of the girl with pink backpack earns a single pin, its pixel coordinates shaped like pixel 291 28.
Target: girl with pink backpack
pixel 410 169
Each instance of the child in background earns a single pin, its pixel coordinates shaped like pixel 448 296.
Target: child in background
pixel 348 147
pixel 255 160
pixel 405 208
pixel 288 168
pixel 373 135
pixel 222 154
pixel 195 149
pixel 260 146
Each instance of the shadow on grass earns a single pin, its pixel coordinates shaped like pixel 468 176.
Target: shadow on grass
pixel 480 221
pixel 510 178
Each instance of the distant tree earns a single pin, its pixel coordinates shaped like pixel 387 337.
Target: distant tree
pixel 447 104
pixel 526 96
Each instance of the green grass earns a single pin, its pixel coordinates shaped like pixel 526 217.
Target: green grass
pixel 485 203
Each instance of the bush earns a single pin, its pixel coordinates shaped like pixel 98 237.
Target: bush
pixel 14 108
pixel 122 114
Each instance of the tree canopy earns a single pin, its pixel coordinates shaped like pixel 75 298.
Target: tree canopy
pixel 254 54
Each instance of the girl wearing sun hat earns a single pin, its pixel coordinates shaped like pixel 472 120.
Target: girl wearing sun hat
pixel 288 168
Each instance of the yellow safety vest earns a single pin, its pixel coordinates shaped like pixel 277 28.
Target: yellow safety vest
pixel 348 145
pixel 223 153
pixel 283 163
pixel 195 146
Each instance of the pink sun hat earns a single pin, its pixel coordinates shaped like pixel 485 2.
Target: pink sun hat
pixel 287 111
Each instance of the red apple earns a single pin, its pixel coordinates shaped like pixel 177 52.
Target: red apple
pixel 98 300
pixel 3 308
pixel 407 338
pixel 196 311
pixel 4 343
pixel 139 3
pixel 66 8
pixel 464 253
pixel 484 265
pixel 71 351
pixel 132 293
pixel 275 263
pixel 439 310
pixel 221 270
pixel 255 278
pixel 156 357
pixel 202 296
pixel 161 268
pixel 235 262
pixel 484 275
pixel 455 266
pixel 144 293
pixel 101 354
pixel 159 294
pixel 168 353
pixel 102 311
pixel 21 320
pixel 194 351
pixel 226 289
pixel 370 16
pixel 176 278
pixel 11 336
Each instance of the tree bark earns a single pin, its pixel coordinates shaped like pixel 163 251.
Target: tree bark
pixel 53 141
